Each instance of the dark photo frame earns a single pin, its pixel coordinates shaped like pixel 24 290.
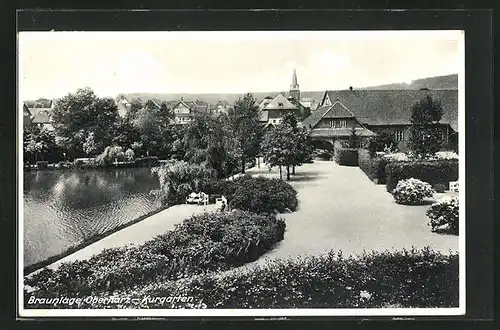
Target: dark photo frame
pixel 477 27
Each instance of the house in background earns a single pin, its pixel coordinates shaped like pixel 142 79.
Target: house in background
pixel 272 110
pixel 39 114
pixel 185 111
pixel 374 111
pixel 220 107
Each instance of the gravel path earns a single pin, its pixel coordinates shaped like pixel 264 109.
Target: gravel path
pixel 341 209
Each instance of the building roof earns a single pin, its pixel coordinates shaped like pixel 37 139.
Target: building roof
pixel 387 107
pixel 41 115
pixel 340 132
pixel 198 107
pixel 279 102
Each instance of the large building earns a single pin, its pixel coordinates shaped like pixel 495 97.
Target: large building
pixel 374 111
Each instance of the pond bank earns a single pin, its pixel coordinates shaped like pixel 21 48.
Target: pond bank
pixel 135 233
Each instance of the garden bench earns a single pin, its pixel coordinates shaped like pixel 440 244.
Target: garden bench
pixel 454 186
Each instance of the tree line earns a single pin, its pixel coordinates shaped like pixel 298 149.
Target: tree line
pixel 86 125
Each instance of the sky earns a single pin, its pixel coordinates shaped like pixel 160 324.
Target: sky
pixel 52 64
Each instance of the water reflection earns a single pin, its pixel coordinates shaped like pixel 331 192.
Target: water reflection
pixel 63 208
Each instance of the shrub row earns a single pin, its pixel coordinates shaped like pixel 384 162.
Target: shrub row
pixel 373 167
pixel 433 172
pixel 346 156
pixel 206 242
pixel 406 279
pixel 258 194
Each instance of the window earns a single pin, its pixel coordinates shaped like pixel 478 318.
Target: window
pixel 280 104
pixel 398 136
pixel 342 123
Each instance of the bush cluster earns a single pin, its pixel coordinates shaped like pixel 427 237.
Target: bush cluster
pixel 202 243
pixel 346 156
pixel 412 192
pixel 443 216
pixel 408 279
pixel 259 194
pixel 372 166
pixel 436 171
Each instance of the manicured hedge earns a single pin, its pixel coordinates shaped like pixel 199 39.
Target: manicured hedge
pixel 346 156
pixel 433 172
pixel 373 167
pixel 258 194
pixel 206 242
pixel 406 279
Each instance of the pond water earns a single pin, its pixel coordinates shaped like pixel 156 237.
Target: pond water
pixel 64 208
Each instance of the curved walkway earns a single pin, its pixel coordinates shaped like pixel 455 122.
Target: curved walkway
pixel 341 209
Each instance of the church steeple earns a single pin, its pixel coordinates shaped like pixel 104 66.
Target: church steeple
pixel 294 87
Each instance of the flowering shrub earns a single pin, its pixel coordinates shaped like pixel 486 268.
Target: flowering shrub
pixel 407 279
pixel 397 156
pixel 412 192
pixel 446 155
pixel 206 242
pixel 443 215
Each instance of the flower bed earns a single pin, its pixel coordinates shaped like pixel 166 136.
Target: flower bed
pixel 206 242
pixel 407 279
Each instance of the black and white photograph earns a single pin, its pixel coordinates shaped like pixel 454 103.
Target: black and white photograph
pixel 241 173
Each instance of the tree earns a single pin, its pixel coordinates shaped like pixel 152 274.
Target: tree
pixel 207 140
pixel 39 144
pixel 179 178
pixel 425 139
pixel 380 142
pixel 129 155
pixel 247 131
pixel 353 138
pixel 89 146
pixel 77 114
pixel 279 148
pixel 303 148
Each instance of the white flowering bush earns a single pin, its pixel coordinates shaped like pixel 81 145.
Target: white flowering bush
pixel 446 155
pixel 443 215
pixel 412 192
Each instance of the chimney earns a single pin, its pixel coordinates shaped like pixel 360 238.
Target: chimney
pixel 182 99
pixel 350 88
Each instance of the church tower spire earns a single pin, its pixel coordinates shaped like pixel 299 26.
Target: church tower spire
pixel 294 87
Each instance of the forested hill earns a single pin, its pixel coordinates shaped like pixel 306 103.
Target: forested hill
pixel 440 82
